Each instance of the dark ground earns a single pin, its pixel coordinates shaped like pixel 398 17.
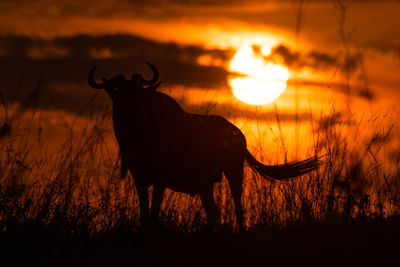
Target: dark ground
pixel 356 243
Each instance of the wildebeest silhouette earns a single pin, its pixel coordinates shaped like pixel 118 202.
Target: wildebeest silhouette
pixel 164 146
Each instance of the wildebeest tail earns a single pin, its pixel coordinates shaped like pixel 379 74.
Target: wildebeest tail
pixel 283 171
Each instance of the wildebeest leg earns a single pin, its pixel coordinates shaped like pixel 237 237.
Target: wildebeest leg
pixel 143 203
pixel 207 199
pixel 158 194
pixel 235 179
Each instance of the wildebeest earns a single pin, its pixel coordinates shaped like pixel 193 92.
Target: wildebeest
pixel 164 146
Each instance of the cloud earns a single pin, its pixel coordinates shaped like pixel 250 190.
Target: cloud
pixel 386 47
pixel 317 60
pixel 47 51
pixel 212 23
pixel 321 60
pixel 288 57
pixel 63 64
pixel 66 61
pixel 104 46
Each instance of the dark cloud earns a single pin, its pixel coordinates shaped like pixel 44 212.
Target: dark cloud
pixel 288 57
pixel 386 47
pixel 29 58
pixel 63 64
pixel 315 59
pixel 118 46
pixel 64 76
pixel 67 59
pixel 15 46
pixel 157 9
pixel 321 60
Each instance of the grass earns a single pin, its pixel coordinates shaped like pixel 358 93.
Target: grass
pixel 70 208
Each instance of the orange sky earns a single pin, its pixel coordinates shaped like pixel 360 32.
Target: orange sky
pixel 374 22
pixel 372 25
pixel 192 43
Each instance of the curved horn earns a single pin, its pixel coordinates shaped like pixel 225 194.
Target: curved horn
pixel 155 75
pixel 91 81
pixel 154 87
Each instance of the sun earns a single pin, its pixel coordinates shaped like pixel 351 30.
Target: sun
pixel 260 82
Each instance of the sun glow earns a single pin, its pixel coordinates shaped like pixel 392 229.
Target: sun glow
pixel 260 82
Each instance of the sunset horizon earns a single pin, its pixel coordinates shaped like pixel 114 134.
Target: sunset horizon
pixel 198 133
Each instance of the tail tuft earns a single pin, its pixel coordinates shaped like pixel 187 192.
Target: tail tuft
pixel 284 171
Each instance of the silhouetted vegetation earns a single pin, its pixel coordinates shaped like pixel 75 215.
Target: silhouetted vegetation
pixel 71 207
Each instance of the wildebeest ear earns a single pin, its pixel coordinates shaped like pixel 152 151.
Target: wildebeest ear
pixel 137 78
pixel 154 86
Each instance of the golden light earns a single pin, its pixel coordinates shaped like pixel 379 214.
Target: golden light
pixel 263 82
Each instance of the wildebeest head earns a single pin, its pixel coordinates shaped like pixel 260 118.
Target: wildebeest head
pixel 119 87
